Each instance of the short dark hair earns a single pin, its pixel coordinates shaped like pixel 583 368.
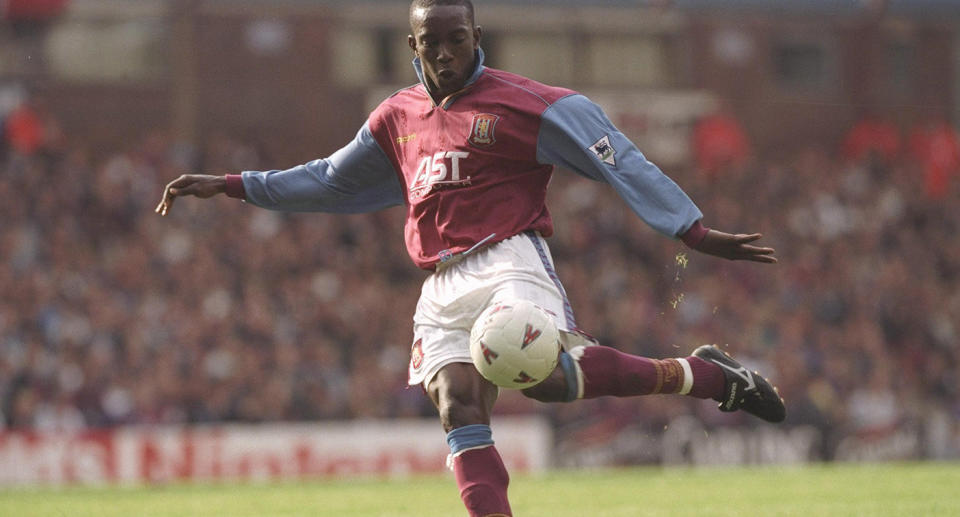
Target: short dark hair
pixel 430 3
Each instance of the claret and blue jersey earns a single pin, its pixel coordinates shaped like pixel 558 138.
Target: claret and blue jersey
pixel 475 165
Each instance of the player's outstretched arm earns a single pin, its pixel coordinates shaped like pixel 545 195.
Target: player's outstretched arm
pixel 199 185
pixel 735 247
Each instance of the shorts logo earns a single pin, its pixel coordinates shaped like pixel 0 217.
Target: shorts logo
pixel 416 354
pixel 482 129
pixel 603 150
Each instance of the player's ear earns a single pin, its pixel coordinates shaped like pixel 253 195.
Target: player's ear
pixel 477 32
pixel 412 43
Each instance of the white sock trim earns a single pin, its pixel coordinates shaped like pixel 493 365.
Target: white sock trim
pixel 687 376
pixel 576 353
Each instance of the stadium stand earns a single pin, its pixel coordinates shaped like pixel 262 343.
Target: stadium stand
pixel 110 316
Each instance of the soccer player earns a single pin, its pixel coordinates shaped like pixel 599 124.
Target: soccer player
pixel 470 150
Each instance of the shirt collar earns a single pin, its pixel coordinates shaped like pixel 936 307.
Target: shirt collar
pixel 477 72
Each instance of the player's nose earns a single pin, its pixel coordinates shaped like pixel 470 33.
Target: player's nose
pixel 445 55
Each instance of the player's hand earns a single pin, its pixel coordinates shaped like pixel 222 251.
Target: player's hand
pixel 199 185
pixel 735 247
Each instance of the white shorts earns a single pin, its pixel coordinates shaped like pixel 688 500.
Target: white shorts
pixel 454 296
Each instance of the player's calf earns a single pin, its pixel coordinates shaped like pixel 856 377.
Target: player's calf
pixel 464 400
pixel 597 371
pixel 610 372
pixel 479 471
pixel 462 397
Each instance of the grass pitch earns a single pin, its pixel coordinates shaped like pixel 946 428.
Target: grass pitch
pixel 874 490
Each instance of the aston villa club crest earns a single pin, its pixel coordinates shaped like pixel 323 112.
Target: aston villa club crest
pixel 416 354
pixel 482 129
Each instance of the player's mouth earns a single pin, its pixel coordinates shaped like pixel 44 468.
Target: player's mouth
pixel 447 74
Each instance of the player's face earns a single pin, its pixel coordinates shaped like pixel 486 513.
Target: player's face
pixel 445 39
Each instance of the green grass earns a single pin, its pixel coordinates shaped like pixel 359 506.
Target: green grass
pixel 874 490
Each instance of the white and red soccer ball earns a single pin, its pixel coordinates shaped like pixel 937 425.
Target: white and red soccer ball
pixel 515 344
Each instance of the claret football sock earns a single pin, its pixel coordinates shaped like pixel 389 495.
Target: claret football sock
pixel 607 371
pixel 481 476
pixel 708 379
pixel 482 480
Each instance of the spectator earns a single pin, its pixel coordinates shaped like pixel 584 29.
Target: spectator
pixel 720 142
pixel 935 147
pixel 87 339
pixel 871 138
pixel 23 129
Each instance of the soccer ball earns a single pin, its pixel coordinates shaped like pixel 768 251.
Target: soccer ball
pixel 515 344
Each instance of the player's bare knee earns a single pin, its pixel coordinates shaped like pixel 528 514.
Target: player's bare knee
pixel 462 396
pixel 458 414
pixel 460 407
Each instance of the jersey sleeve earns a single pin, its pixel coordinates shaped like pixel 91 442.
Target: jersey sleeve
pixel 357 178
pixel 576 134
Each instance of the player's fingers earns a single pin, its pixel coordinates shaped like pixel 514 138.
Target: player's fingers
pixel 764 255
pixel 164 201
pixel 161 207
pixel 754 250
pixel 747 238
pixel 176 187
pixel 171 191
pixel 169 194
pixel 767 259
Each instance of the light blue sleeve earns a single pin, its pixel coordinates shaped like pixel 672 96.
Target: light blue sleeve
pixel 576 134
pixel 357 178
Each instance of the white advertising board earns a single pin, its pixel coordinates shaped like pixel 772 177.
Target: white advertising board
pixel 137 455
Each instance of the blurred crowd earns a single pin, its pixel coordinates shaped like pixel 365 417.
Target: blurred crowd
pixel 112 315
